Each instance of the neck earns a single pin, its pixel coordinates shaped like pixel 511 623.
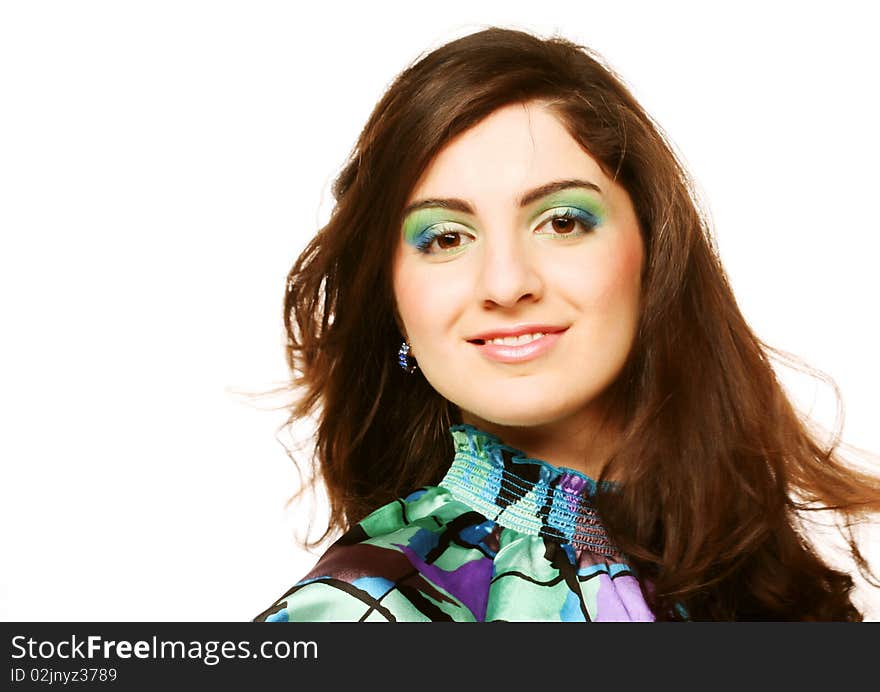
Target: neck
pixel 583 442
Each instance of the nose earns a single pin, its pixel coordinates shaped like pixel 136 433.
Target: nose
pixel 509 272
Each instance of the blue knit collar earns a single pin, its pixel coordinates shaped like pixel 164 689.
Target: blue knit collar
pixel 526 494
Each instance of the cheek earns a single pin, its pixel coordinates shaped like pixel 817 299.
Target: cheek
pixel 607 283
pixel 427 303
pixel 623 280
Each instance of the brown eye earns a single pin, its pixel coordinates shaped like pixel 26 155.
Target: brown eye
pixel 562 224
pixel 447 241
pixel 443 241
pixel 571 223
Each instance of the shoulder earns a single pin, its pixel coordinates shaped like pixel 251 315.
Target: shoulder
pixel 375 571
pixel 329 599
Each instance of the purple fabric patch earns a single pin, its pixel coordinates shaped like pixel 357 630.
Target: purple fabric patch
pixel 620 600
pixel 469 583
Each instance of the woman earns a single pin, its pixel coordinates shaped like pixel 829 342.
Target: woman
pixel 536 396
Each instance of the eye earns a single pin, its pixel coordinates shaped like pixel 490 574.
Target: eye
pixel 441 239
pixel 565 224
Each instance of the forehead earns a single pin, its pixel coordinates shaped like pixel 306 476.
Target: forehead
pixel 516 147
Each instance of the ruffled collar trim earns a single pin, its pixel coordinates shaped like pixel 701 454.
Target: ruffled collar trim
pixel 525 494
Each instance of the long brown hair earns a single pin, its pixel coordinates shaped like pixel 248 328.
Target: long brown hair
pixel 715 466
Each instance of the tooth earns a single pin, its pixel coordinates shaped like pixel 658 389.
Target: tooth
pixel 516 340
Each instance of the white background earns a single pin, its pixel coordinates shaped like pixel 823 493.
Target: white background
pixel 162 164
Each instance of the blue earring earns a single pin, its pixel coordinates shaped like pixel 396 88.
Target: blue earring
pixel 403 358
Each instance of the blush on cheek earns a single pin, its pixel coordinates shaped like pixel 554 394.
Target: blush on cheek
pixel 621 273
pixel 631 261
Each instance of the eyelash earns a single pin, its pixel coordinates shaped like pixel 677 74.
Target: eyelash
pixel 585 219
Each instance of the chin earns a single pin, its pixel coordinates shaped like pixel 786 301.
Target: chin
pixel 520 417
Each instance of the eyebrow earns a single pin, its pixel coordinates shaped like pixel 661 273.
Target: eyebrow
pixel 531 196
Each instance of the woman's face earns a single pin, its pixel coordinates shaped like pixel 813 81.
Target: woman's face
pixel 508 251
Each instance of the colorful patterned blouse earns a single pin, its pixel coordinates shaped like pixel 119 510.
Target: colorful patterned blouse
pixel 501 537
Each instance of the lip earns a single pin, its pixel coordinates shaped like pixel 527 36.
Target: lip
pixel 517 330
pixel 522 352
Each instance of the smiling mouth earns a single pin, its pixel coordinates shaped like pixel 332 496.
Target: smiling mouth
pixel 519 349
pixel 520 340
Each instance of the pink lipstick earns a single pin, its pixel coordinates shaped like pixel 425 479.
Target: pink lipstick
pixel 519 352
